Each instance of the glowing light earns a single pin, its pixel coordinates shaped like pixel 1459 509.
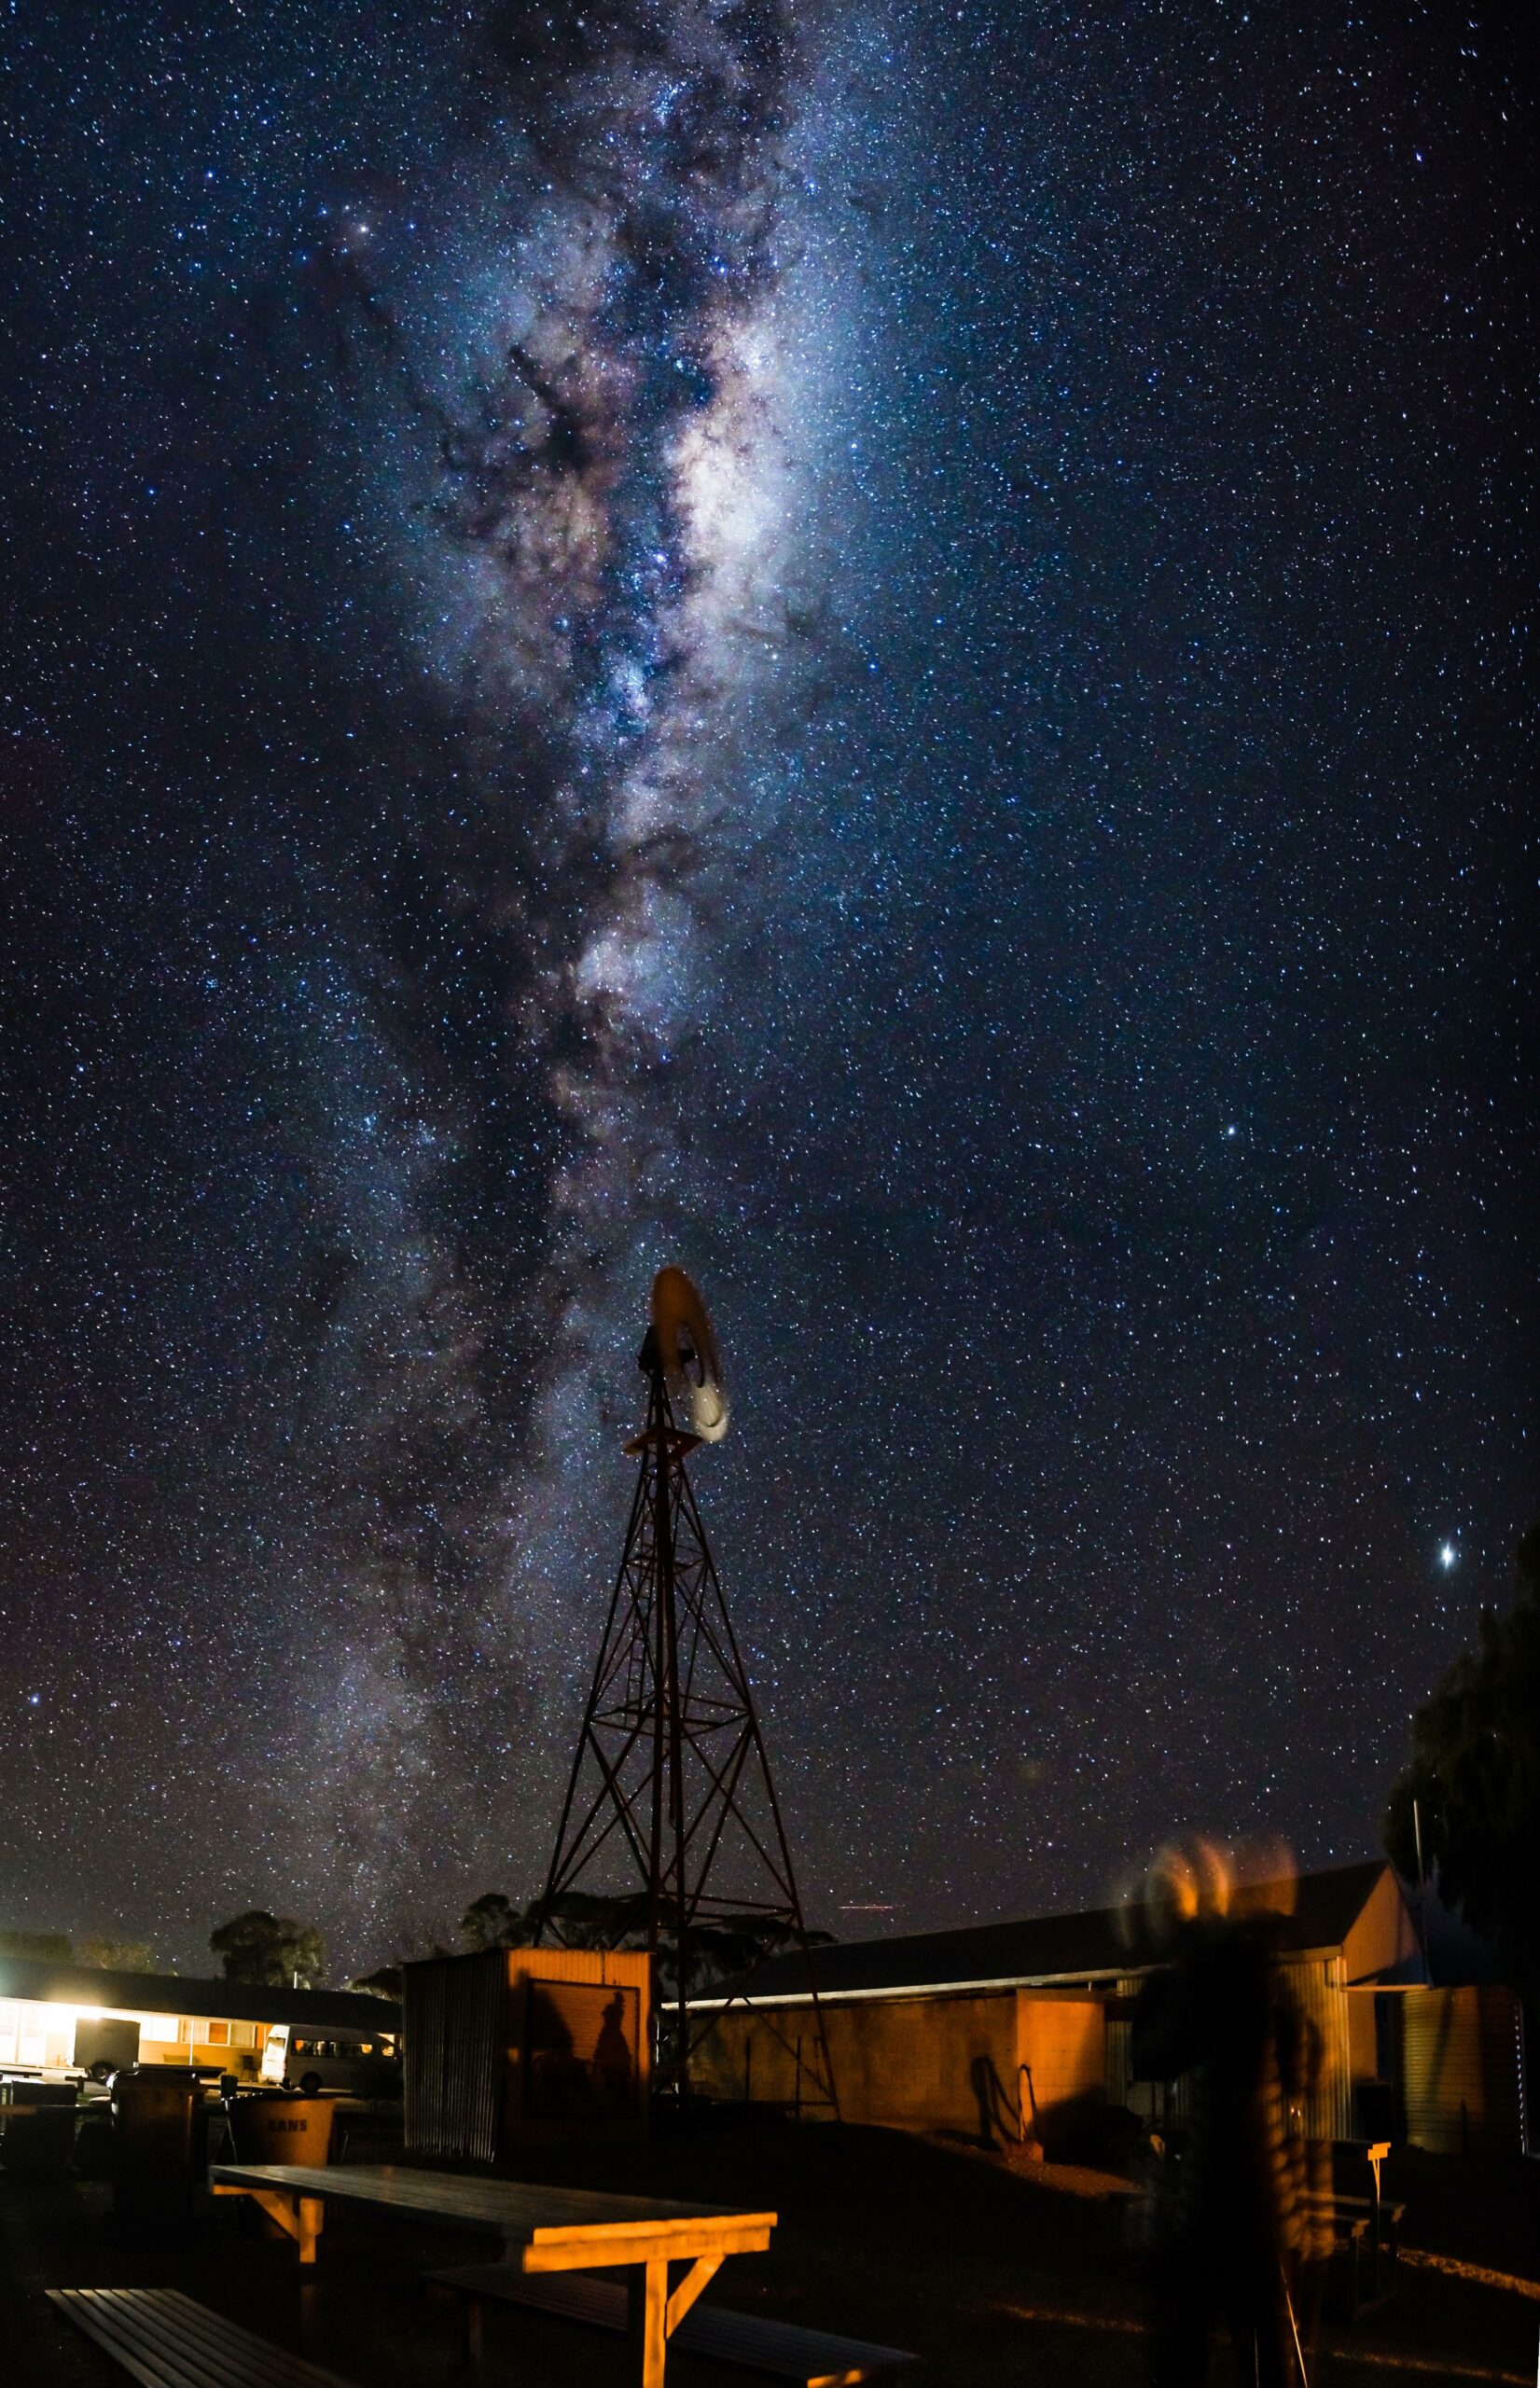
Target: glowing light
pixel 1448 1555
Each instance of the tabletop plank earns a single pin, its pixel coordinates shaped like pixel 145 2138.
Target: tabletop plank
pixel 515 2211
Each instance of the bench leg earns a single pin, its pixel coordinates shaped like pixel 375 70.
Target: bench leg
pixel 646 2324
pixel 299 2218
pixel 470 2338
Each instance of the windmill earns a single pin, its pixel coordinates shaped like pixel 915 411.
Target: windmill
pixel 669 1786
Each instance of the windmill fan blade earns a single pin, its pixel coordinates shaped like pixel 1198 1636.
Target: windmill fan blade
pixel 692 1366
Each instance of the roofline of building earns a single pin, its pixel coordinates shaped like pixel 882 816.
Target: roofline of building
pixel 41 1983
pixel 1092 1977
pixel 896 1954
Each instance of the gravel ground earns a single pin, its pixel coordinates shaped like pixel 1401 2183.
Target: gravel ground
pixel 999 2277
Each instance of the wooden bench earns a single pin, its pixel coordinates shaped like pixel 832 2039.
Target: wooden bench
pixel 163 2340
pixel 1368 2244
pixel 1363 2209
pixel 779 2350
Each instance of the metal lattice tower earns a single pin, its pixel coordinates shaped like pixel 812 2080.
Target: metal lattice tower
pixel 671 1786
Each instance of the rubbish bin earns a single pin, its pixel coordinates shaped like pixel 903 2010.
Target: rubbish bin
pixel 37 2128
pixel 155 2110
pixel 280 2127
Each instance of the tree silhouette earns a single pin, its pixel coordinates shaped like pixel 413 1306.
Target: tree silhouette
pixel 384 1982
pixel 1475 1773
pixel 729 1946
pixel 116 1956
pixel 272 1949
pixel 494 1922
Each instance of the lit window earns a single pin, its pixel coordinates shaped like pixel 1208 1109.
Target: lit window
pixel 160 2027
pixel 218 2035
pixel 10 2023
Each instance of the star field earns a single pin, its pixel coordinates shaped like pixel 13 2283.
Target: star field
pixel 878 651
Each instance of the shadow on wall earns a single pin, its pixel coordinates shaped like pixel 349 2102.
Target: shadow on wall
pixel 1084 2129
pixel 999 2116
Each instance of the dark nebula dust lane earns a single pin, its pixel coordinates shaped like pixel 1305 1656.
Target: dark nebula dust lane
pixel 878 651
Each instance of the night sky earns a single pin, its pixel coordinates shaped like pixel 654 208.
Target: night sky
pixel 880 652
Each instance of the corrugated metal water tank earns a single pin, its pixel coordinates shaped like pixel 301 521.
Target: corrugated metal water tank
pixel 520 2044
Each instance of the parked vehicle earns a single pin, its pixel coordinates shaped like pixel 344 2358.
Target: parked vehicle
pixel 355 2068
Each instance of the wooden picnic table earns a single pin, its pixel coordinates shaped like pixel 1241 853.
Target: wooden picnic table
pixel 542 2231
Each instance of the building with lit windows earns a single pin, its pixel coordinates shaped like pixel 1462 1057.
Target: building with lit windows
pixel 57 2018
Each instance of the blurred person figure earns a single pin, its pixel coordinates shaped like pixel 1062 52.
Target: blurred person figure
pixel 1234 2223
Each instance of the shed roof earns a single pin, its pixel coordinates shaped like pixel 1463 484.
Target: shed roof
pixel 1045 1948
pixel 238 2001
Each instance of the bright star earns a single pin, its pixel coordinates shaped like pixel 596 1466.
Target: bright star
pixel 1448 1555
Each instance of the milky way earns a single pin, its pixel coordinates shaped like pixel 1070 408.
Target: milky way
pixel 878 651
pixel 597 471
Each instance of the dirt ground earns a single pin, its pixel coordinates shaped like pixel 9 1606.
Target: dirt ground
pixel 999 2278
